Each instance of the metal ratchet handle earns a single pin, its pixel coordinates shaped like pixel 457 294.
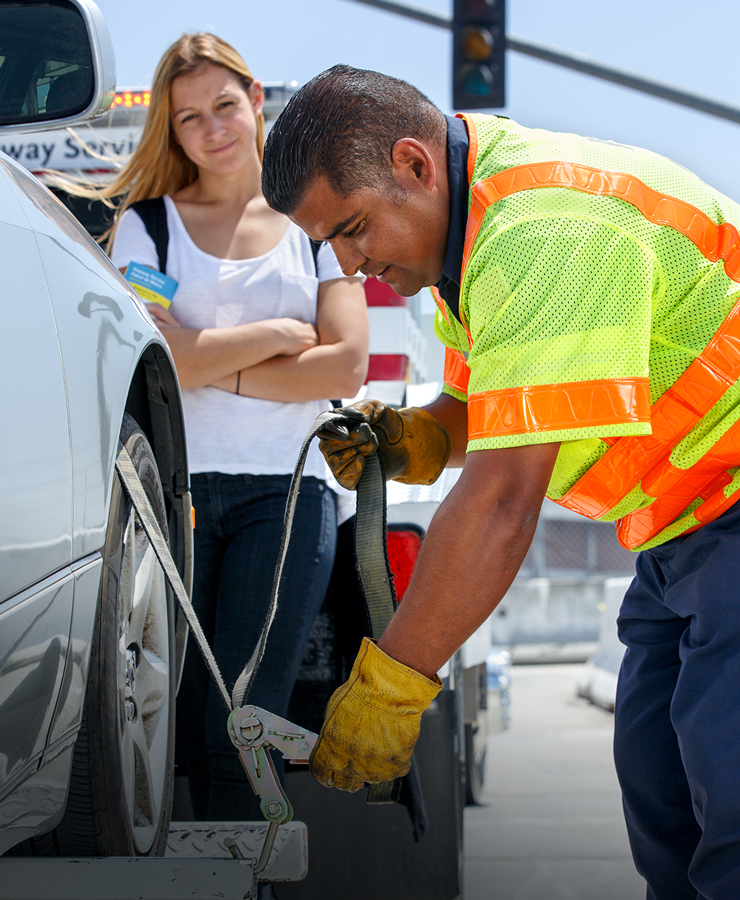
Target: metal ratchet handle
pixel 250 726
pixel 253 731
pixel 260 770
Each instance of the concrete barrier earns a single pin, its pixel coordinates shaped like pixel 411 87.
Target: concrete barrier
pixel 549 610
pixel 598 682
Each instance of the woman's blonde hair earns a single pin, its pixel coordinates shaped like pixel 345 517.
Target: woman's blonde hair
pixel 158 165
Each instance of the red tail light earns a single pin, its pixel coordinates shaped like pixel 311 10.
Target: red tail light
pixel 404 546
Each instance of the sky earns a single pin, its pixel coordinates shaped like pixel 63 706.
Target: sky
pixel 669 40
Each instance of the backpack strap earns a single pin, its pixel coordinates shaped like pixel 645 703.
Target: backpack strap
pixel 153 214
pixel 315 247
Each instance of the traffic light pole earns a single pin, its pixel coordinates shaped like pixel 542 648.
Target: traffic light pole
pixel 573 61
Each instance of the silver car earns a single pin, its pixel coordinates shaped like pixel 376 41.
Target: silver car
pixel 89 653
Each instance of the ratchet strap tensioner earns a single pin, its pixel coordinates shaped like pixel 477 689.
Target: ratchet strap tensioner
pixel 252 730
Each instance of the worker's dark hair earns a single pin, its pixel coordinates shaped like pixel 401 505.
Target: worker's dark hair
pixel 343 125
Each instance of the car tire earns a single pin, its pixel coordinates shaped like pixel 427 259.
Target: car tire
pixel 121 790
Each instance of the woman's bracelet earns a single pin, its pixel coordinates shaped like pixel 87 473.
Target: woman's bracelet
pixel 238 380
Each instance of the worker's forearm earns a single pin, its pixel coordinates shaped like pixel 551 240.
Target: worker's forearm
pixel 473 550
pixel 463 572
pixel 453 415
pixel 328 371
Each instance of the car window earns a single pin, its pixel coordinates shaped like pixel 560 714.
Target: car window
pixel 41 78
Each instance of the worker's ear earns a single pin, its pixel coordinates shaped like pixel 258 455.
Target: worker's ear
pixel 414 164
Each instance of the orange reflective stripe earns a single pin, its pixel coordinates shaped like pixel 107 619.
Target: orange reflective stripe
pixel 630 459
pixel 714 241
pixel 631 534
pixel 441 305
pixel 676 489
pixel 715 505
pixel 555 407
pixel 457 373
pixel 473 143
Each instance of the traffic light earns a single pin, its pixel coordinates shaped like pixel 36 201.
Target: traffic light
pixel 478 51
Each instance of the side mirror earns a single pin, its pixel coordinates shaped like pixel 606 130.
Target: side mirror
pixel 57 66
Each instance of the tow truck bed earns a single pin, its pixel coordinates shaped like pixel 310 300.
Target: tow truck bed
pixel 197 866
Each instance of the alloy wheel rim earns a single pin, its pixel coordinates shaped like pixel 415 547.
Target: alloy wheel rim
pixel 144 683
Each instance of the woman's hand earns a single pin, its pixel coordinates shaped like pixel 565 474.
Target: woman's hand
pixel 206 355
pixel 293 336
pixel 333 364
pixel 161 315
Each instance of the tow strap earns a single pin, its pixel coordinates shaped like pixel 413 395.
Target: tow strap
pixel 372 562
pixel 372 559
pixel 131 483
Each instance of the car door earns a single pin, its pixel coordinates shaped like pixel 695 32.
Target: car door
pixel 35 461
pixel 36 583
pixel 101 334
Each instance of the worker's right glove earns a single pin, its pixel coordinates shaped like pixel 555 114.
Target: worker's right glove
pixel 413 445
pixel 372 722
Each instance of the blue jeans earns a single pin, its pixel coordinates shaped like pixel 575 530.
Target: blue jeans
pixel 238 526
pixel 677 716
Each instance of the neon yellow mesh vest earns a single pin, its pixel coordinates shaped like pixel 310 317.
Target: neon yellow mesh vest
pixel 600 307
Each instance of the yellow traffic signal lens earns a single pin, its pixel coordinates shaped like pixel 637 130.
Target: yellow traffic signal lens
pixel 476 43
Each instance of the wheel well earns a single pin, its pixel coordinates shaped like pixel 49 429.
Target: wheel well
pixel 154 401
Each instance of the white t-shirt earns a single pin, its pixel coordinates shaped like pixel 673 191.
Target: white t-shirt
pixel 225 432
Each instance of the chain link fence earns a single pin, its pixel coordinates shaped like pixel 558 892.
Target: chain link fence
pixel 558 595
pixel 573 547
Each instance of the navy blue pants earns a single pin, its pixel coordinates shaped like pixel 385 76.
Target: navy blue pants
pixel 677 716
pixel 238 526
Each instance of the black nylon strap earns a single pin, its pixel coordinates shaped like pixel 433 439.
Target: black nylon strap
pixel 243 685
pixel 375 575
pixel 315 247
pixel 132 484
pixel 371 549
pixel 153 214
pixel 372 556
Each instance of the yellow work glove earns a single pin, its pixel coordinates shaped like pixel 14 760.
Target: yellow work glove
pixel 372 722
pixel 413 445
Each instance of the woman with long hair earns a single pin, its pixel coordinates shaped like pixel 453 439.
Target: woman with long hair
pixel 262 333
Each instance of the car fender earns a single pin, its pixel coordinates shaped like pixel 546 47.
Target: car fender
pixel 115 360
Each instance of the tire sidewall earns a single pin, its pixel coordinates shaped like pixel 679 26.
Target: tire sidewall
pixel 104 707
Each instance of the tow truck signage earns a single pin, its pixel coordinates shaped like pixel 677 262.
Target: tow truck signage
pixel 95 146
pixel 81 148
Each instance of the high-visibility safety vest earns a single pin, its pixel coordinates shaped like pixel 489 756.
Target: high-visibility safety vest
pixel 600 307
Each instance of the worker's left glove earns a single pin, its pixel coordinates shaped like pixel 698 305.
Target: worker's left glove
pixel 412 443
pixel 372 722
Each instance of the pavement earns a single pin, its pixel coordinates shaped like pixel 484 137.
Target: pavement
pixel 550 825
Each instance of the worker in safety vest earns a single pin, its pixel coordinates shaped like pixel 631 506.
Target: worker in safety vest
pixel 589 297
